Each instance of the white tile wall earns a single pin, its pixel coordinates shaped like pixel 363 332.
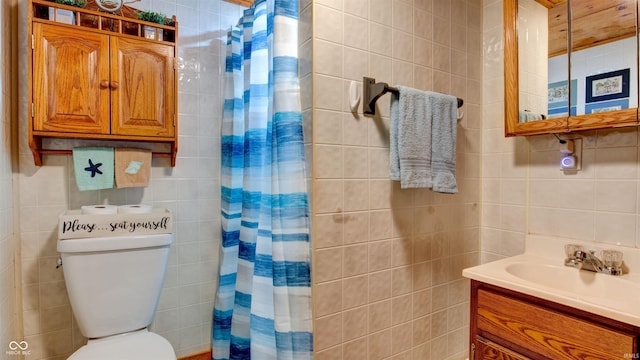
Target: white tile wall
pixel 190 190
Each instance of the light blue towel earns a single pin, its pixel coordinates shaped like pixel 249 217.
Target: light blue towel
pixel 525 116
pixel 94 167
pixel 423 140
pixel 443 142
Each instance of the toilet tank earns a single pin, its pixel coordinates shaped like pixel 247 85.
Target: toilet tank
pixel 114 283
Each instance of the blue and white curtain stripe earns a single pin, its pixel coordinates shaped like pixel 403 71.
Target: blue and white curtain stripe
pixel 263 303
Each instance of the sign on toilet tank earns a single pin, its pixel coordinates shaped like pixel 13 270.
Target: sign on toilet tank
pixel 73 224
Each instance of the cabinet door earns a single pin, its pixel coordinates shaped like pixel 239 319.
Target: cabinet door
pixel 486 350
pixel 70 80
pixel 142 88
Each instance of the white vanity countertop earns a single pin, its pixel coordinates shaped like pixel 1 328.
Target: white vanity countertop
pixel 540 272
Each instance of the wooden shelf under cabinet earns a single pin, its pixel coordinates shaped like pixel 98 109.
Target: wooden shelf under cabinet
pixel 99 78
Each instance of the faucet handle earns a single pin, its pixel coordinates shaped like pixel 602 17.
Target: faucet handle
pixel 612 258
pixel 570 251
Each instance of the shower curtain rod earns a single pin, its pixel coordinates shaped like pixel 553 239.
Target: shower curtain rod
pixel 372 91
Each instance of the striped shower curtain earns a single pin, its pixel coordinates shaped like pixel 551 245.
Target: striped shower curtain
pixel 263 303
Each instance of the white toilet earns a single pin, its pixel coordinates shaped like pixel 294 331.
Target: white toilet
pixel 114 285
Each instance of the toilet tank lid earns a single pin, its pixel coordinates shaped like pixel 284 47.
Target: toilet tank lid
pixel 110 243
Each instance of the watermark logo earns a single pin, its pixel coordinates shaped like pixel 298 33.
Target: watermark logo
pixel 18 348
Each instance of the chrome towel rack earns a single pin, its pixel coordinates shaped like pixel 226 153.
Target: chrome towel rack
pixel 372 91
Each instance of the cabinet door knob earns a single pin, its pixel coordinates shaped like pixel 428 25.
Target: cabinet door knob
pixel 104 84
pixel 115 85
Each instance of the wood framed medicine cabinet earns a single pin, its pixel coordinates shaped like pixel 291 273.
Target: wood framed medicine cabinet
pixel 101 77
pixel 579 37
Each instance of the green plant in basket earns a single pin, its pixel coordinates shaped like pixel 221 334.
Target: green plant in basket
pixel 151 16
pixel 76 3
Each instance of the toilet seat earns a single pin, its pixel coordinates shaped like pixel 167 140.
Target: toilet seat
pixel 138 345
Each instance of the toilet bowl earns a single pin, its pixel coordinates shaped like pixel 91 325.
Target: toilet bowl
pixel 114 285
pixel 141 345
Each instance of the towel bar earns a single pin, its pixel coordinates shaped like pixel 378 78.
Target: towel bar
pixel 371 91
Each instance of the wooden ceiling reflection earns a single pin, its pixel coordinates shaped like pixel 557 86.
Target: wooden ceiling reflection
pixel 593 23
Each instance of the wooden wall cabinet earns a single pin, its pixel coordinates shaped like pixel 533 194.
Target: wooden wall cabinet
pixel 592 23
pixel 513 326
pixel 100 83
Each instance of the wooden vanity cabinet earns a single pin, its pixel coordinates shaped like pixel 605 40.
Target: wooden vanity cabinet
pixel 509 325
pixel 99 85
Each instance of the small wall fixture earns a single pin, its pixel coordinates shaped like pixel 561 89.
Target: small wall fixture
pixel 571 150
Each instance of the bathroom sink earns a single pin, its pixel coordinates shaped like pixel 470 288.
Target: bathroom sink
pixel 540 272
pixel 582 284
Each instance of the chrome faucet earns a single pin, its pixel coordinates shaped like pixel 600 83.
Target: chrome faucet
pixel 577 257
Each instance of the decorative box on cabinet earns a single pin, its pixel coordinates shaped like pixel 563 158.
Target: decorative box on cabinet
pixel 100 79
pixel 509 325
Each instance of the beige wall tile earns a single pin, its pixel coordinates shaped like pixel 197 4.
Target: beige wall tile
pixel 328 196
pixel 380 345
pixel 356 348
pixel 327 331
pixel 402 16
pixel 325 54
pixel 328 127
pixel 402 46
pixel 357 8
pixel 356 162
pixel 327 93
pixel 402 73
pixel 379 285
pixel 401 309
pixel 354 290
pixel 379 255
pixel 422 24
pixel 380 68
pixel 355 32
pixel 381 39
pixel 421 275
pixel 401 337
pixel 356 195
pixel 357 227
pixel 381 226
pixel 334 353
pixel 380 11
pixel 356 129
pixel 328 24
pixel 379 316
pixel 355 260
pixel 327 264
pixel 401 280
pixel 329 230
pixel 356 64
pixel 354 323
pixel 329 161
pixel 336 4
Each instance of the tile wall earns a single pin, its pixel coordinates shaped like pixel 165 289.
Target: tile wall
pixel 505 161
pixel 9 293
pixel 523 189
pixel 387 262
pixel 190 190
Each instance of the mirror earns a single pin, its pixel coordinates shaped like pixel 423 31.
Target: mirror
pixel 563 75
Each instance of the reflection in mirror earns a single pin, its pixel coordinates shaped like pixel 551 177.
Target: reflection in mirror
pixel 543 94
pixel 603 56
